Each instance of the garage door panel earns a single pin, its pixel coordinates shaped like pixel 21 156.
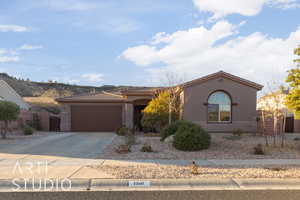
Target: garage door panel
pixel 96 117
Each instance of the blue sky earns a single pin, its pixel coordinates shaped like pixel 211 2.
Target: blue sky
pixel 140 42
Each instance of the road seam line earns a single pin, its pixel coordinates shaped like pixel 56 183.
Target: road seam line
pixel 75 172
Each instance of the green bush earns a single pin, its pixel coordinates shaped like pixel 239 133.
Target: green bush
pixel 191 137
pixel 123 131
pixel 28 130
pixel 9 111
pixel 172 128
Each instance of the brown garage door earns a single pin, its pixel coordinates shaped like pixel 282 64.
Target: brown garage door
pixel 96 117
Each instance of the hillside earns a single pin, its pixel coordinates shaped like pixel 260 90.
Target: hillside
pixel 27 88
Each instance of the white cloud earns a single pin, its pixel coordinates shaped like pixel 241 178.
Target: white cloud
pixel 199 51
pixel 141 55
pixel 70 5
pixel 13 28
pixel 114 25
pixel 93 77
pixel 6 56
pixel 221 9
pixel 5 59
pixel 30 47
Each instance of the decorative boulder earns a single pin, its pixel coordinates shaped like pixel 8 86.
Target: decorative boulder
pixel 169 139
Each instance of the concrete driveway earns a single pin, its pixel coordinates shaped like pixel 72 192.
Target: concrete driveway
pixel 71 145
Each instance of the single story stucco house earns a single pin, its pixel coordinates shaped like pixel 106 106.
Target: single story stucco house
pixel 219 102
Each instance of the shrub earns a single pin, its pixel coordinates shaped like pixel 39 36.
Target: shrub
pixel 146 148
pixel 35 122
pixel 191 137
pixel 130 138
pixel 171 129
pixel 28 130
pixel 123 148
pixel 122 131
pixel 259 150
pixel 296 139
pixel 156 114
pixel 9 111
pixel 232 137
pixel 238 132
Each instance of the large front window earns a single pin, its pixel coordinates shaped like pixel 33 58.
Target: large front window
pixel 219 107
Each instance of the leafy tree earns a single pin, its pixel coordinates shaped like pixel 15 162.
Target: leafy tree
pixel 9 111
pixel 156 114
pixel 292 100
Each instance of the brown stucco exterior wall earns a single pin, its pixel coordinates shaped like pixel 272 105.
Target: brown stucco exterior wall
pixel 243 108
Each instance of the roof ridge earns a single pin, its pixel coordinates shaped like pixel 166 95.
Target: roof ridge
pixel 225 75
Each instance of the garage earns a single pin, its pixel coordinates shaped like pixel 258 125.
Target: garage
pixel 94 118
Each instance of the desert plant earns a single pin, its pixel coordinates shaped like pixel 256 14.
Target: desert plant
pixel 130 138
pixel 147 148
pixel 232 137
pixel 123 148
pixel 122 131
pixel 237 132
pixel 156 114
pixel 191 137
pixel 259 150
pixel 9 111
pixel 28 130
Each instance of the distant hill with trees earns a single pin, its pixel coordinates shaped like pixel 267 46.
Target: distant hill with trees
pixel 52 89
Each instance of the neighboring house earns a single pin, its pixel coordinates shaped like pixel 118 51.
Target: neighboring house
pixel 7 93
pixel 219 102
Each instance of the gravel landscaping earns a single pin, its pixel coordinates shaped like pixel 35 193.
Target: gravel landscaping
pixel 223 146
pixel 162 171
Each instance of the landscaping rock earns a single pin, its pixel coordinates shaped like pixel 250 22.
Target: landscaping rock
pixel 169 139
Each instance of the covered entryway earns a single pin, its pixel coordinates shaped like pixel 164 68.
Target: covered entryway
pixel 139 106
pixel 96 117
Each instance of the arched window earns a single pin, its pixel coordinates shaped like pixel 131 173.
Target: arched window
pixel 219 107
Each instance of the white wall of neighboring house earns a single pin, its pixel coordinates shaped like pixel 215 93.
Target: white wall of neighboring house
pixel 7 93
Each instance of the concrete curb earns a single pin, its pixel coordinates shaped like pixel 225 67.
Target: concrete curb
pixel 154 184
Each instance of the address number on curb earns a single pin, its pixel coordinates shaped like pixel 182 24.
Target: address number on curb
pixel 139 184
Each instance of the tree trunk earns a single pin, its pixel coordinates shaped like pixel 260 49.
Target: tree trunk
pixel 170 113
pixel 274 130
pixel 263 128
pixel 283 130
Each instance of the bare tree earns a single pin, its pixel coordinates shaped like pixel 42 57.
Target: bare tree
pixel 273 109
pixel 173 84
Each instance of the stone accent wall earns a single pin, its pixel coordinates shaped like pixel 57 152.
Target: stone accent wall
pixel 129 115
pixel 65 118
